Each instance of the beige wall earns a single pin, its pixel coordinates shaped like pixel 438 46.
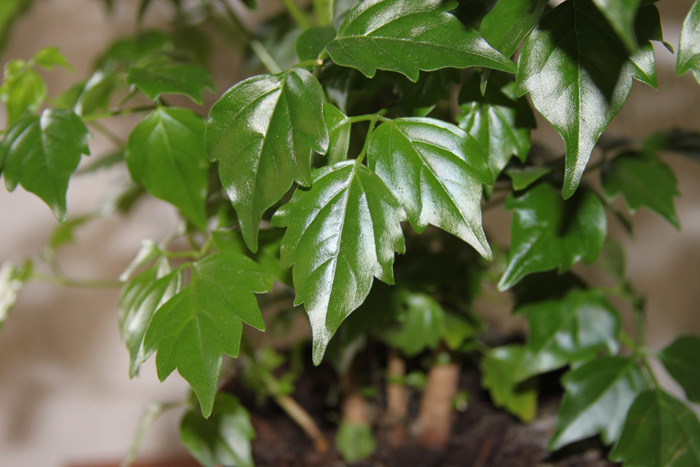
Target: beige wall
pixel 64 390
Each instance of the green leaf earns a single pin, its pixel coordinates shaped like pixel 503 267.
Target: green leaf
pixel 548 233
pixel 340 234
pixel 160 74
pixel 138 303
pixel 408 37
pixel 621 14
pixel 526 176
pixel 682 361
pixel 91 95
pixel 12 279
pixel 50 57
pixel 223 438
pixel 644 181
pixel 497 369
pixel 23 89
pixel 436 171
pixel 64 233
pixel 355 441
pixel 689 46
pixel 41 153
pixel 598 395
pixel 10 10
pixel 458 329
pixel 262 131
pixel 193 330
pixel 509 22
pixel 421 321
pixel 420 98
pixel 338 133
pixel 123 53
pixel 312 42
pixel 148 252
pixel 659 431
pixel 568 330
pixel 166 155
pixel 579 75
pixel 498 120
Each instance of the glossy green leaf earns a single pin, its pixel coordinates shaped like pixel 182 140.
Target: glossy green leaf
pixel 526 176
pixel 355 441
pixel 568 330
pixel 407 37
pixel 41 153
pixel 138 303
pixel 621 14
pixel 340 234
pixel 682 360
pixel 196 327
pixel 159 74
pixel 643 180
pixel 166 155
pixel 12 279
pixel 148 253
pixel 659 431
pixel 436 171
pixel 50 57
pixel 548 233
pixel 598 395
pixel 509 22
pixel 312 42
pixel 689 46
pixel 579 75
pixel 421 321
pixel 23 89
pixel 497 369
pixel 91 95
pixel 338 133
pixel 420 98
pixel 498 120
pixel 262 131
pixel 223 438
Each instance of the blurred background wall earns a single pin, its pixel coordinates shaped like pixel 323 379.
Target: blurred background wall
pixel 64 391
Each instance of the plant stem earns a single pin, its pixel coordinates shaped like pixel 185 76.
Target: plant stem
pixel 118 113
pixel 109 134
pixel 265 57
pixel 324 11
pixel 434 421
pixel 396 399
pixel 150 415
pixel 302 418
pixel 78 283
pixel 296 13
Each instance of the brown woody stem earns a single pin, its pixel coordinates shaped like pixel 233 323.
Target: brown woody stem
pixel 434 422
pixel 396 399
pixel 302 418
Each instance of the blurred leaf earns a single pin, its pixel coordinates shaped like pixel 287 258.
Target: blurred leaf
pixel 23 89
pixel 63 234
pixel 682 360
pixel 421 321
pixel 50 57
pixel 12 278
pixel 160 74
pixel 526 176
pixel 457 329
pixel 312 42
pixel 355 441
pixel 498 367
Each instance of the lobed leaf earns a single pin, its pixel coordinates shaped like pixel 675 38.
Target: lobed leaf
pixel 682 360
pixel 159 74
pixel 263 131
pixel 436 171
pixel 509 22
pixel 340 234
pixel 408 36
pixel 338 133
pixel 620 14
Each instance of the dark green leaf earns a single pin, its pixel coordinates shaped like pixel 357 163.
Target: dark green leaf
pixel 23 90
pixel 41 153
pixel 677 140
pixel 498 120
pixel 338 133
pixel 548 233
pixel 579 75
pixel 421 321
pixel 166 154
pixel 682 360
pixel 659 431
pixel 621 14
pixel 436 171
pixel 526 176
pixel 509 22
pixel 497 369
pixel 689 46
pixel 420 98
pixel 355 441
pixel 598 395
pixel 159 74
pixel 196 327
pixel 262 131
pixel 312 42
pixel 50 57
pixel 644 181
pixel 340 235
pixel 407 37
pixel 222 439
pixel 568 330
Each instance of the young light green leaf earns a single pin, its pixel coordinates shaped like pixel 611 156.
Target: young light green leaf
pixel 436 171
pixel 421 323
pixel 579 75
pixel 223 438
pixel 338 133
pixel 509 22
pixel 159 74
pixel 644 181
pixel 166 155
pixel 571 329
pixel 340 235
pixel 526 176
pixel 196 327
pixel 497 369
pixel 548 233
pixel 598 395
pixel 621 14
pixel 262 131
pixel 50 57
pixel 689 46
pixel 23 89
pixel 407 37
pixel 41 153
pixel 148 252
pixel 682 360
pixel 659 431
pixel 458 329
pixel 12 279
pixel 498 120
pixel 312 42
pixel 355 441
